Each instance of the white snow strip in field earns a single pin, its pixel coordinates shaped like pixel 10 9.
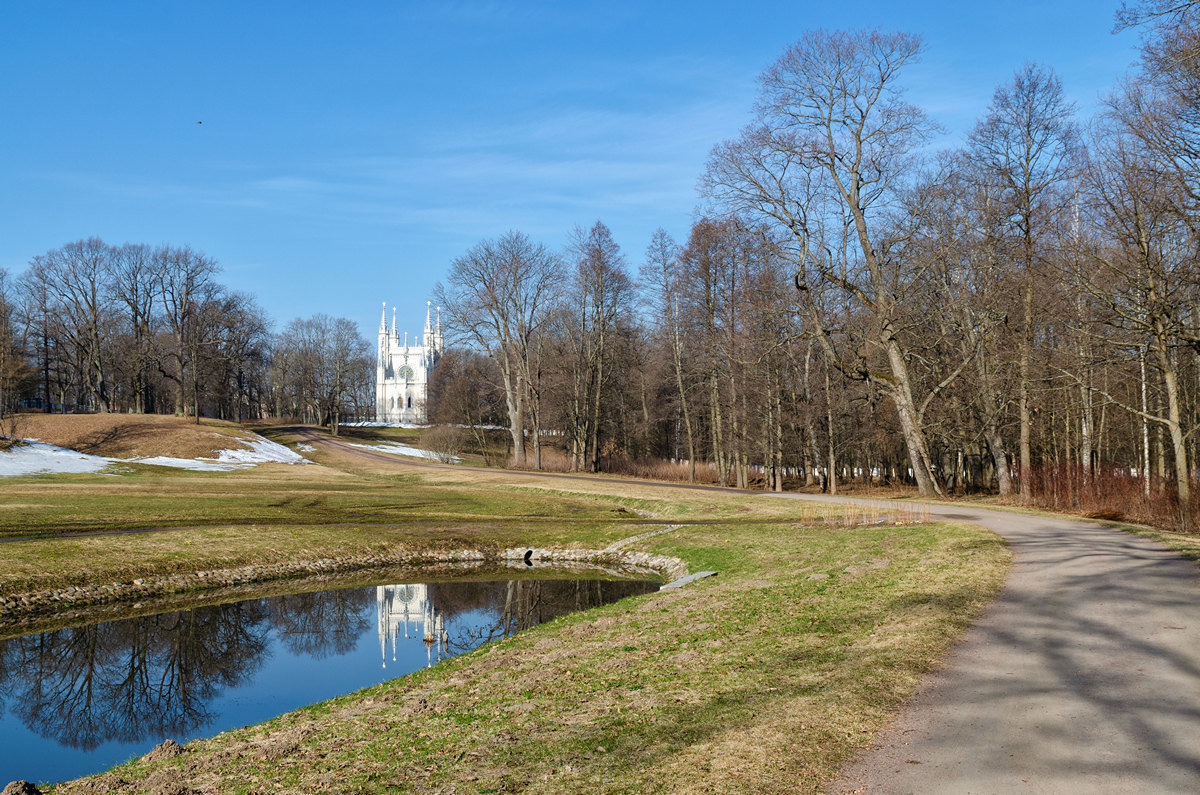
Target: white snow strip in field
pixel 366 424
pixel 258 451
pixel 395 448
pixel 262 451
pixel 196 464
pixel 35 457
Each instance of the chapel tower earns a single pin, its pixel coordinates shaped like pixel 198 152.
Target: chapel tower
pixel 402 369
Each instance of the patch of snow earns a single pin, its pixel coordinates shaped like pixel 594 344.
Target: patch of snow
pixel 395 448
pixel 366 424
pixel 259 451
pixel 262 451
pixel 306 447
pixel 196 464
pixel 36 457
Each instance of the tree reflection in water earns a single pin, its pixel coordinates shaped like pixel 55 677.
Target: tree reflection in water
pixel 520 604
pixel 322 624
pixel 151 676
pixel 146 678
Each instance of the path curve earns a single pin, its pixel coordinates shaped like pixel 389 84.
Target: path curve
pixel 1082 676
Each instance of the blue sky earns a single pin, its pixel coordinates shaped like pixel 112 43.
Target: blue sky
pixel 349 151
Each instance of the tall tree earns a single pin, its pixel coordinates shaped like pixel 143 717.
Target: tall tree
pixel 661 275
pixel 497 297
pixel 185 280
pixel 1025 144
pixel 14 369
pixel 75 276
pixel 601 296
pixel 133 285
pixel 826 161
pixel 1142 280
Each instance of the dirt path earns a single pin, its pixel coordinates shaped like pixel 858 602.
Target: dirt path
pixel 315 437
pixel 1083 676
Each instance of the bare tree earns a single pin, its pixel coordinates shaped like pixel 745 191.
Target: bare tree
pixel 601 296
pixel 185 280
pixel 75 277
pixel 326 361
pixel 14 369
pixel 133 284
pixel 826 161
pixel 661 272
pixel 1026 144
pixel 496 297
pixel 1144 286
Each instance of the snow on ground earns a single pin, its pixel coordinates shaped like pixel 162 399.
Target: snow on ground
pixel 38 457
pixel 262 451
pixel 395 448
pixel 412 426
pixel 366 424
pixel 195 464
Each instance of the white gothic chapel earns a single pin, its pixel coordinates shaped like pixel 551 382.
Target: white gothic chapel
pixel 402 370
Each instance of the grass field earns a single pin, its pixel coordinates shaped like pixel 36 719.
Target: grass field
pixel 764 678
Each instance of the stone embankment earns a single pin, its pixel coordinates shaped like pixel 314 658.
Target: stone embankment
pixel 17 610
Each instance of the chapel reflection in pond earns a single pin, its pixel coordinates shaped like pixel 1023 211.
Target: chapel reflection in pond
pixel 152 677
pixel 426 611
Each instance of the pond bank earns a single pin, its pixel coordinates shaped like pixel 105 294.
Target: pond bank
pixel 41 609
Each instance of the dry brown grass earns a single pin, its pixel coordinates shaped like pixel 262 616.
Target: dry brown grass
pixel 130 435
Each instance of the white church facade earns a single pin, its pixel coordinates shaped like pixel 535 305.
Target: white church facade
pixel 402 370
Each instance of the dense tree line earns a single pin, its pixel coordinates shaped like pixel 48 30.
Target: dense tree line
pixel 134 328
pixel 1020 315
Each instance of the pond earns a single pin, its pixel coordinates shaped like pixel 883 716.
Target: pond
pixel 79 700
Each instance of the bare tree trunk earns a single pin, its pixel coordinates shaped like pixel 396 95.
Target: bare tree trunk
pixel 914 437
pixel 718 441
pixel 1024 415
pixel 1175 428
pixel 677 355
pixel 814 462
pixel 831 476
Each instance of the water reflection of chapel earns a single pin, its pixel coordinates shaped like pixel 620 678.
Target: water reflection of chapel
pixel 406 611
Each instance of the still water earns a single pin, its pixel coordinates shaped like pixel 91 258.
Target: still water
pixel 80 700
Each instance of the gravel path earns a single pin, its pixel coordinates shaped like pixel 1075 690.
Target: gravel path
pixel 1083 676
